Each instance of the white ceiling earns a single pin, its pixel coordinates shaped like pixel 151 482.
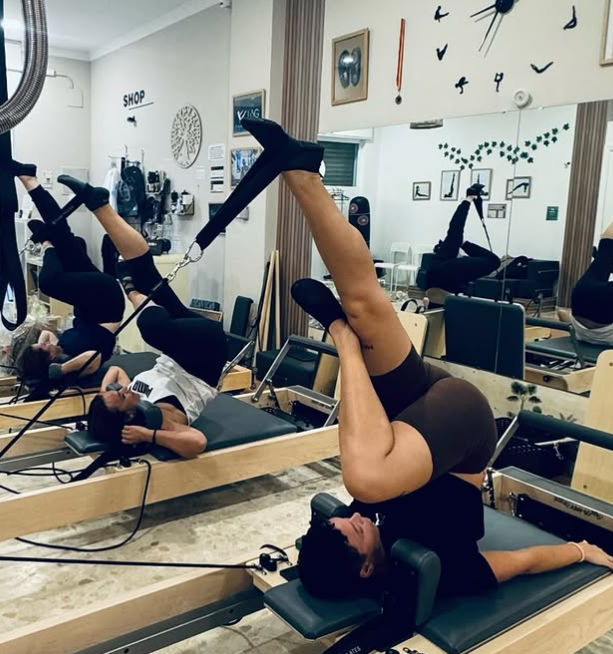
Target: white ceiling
pixel 89 29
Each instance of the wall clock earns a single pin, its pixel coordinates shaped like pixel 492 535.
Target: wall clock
pixel 491 19
pixel 186 136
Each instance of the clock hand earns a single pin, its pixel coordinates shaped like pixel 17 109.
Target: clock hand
pixel 483 11
pixel 489 29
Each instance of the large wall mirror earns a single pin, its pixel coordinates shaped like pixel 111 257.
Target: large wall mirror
pixel 401 185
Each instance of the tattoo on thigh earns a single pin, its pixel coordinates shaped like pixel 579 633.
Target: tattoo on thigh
pixel 368 347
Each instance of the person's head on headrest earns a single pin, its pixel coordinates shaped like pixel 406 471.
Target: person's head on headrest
pixel 110 411
pixel 342 558
pixel 36 359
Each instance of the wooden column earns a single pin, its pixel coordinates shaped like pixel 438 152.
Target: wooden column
pixel 300 117
pixel 590 137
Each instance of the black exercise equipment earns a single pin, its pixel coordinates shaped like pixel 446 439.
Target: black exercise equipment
pixel 564 347
pixel 12 112
pixel 485 335
pixel 226 421
pixel 359 216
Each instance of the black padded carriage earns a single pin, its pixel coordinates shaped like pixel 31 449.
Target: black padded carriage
pixel 565 348
pixel 455 625
pixel 485 335
pixel 226 422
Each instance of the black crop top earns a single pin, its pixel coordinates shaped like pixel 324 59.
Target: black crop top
pixel 173 401
pixel 445 516
pixel 86 336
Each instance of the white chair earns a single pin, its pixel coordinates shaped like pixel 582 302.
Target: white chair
pixel 402 249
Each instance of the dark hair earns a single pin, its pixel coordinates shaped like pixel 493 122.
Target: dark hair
pixel 329 567
pixel 105 424
pixel 34 364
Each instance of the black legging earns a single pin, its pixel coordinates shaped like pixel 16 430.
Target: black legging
pixel 68 273
pixel 453 273
pixel 592 297
pixel 196 343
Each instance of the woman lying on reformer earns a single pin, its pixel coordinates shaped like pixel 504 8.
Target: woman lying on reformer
pixel 414 441
pixel 157 406
pixel 592 297
pixel 68 275
pixel 450 273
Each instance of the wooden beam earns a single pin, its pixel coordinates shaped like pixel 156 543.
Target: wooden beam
pixel 69 406
pixel 238 379
pixel 62 505
pixel 576 381
pixel 131 611
pixel 36 440
pixel 592 473
pixel 563 629
pixel 536 334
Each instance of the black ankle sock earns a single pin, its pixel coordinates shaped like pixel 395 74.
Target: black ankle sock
pixel 40 231
pixel 318 301
pixel 94 197
pixel 287 153
pixel 124 276
pixel 22 170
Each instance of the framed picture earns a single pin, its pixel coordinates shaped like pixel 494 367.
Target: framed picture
pixel 482 176
pixel 519 188
pixel 242 160
pixel 422 191
pixel 606 56
pixel 350 68
pixel 497 211
pixel 248 105
pixel 450 185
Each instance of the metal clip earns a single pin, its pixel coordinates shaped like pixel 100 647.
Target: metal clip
pixel 185 261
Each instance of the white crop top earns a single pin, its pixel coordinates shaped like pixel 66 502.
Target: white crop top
pixel 168 378
pixel 598 336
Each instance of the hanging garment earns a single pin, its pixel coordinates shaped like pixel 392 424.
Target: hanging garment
pixel 111 182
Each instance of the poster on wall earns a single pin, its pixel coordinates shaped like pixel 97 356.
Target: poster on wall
pixel 422 191
pixel 519 188
pixel 350 67
pixel 248 105
pixel 606 57
pixel 482 176
pixel 450 185
pixel 242 160
pixel 497 211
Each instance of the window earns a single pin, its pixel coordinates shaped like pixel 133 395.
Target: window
pixel 341 163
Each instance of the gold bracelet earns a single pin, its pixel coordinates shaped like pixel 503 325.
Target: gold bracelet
pixel 581 550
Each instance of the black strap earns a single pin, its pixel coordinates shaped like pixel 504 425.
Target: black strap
pixel 11 273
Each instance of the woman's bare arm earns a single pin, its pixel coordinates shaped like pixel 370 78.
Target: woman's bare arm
pixel 535 560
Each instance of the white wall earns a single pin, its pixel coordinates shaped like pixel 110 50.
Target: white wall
pixel 531 33
pixel 256 53
pixel 531 234
pixel 56 135
pixel 394 157
pixel 187 63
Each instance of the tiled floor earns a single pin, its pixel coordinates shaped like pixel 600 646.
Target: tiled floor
pixel 214 526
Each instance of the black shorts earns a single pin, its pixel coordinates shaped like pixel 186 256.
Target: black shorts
pixel 452 415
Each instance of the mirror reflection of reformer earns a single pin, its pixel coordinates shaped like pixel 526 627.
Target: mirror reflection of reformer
pixel 448 273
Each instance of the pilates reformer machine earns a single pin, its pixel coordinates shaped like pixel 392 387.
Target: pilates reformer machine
pixel 248 436
pixel 552 613
pixel 491 336
pixel 46 445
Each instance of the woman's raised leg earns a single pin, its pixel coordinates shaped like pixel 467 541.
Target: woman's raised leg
pixel 385 343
